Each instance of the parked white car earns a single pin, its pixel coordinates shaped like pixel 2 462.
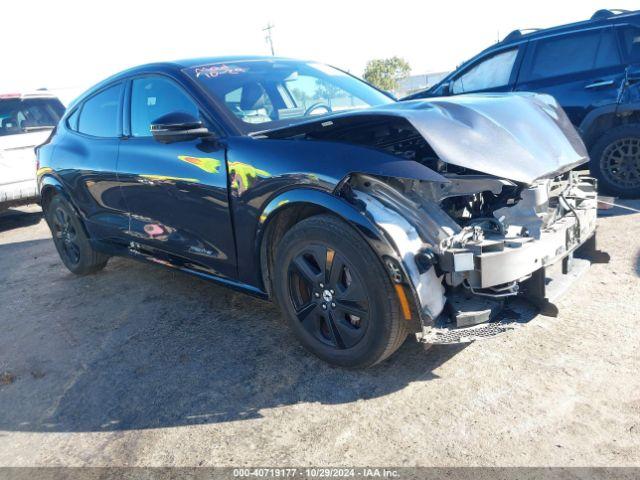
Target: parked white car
pixel 26 120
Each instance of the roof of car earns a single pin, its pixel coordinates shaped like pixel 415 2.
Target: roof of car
pixel 172 66
pixel 194 62
pixel 600 18
pixel 26 95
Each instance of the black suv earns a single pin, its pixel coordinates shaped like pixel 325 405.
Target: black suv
pixel 592 68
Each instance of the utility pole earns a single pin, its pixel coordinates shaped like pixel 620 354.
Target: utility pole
pixel 268 38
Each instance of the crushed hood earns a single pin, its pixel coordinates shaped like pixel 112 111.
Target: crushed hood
pixel 518 136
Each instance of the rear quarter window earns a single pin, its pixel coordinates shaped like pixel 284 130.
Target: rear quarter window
pixel 573 53
pixel 72 121
pixel 99 115
pixel 630 37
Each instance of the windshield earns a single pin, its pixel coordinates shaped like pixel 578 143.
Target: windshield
pixel 22 116
pixel 264 94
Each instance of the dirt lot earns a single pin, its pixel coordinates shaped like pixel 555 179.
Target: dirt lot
pixel 138 365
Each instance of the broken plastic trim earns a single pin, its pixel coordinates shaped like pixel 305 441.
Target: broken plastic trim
pixel 488 262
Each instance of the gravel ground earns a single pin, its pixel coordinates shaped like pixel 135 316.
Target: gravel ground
pixel 138 365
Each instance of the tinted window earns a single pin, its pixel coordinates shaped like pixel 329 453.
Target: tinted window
pixel 152 97
pixel 262 94
pixel 491 73
pixel 631 43
pixel 608 54
pixel 572 54
pixel 99 115
pixel 22 116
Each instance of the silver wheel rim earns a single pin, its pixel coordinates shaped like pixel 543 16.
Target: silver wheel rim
pixel 620 163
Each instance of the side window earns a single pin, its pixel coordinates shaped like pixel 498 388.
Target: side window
pixel 573 54
pixel 152 97
pixel 491 73
pixel 99 115
pixel 631 43
pixel 72 121
pixel 608 54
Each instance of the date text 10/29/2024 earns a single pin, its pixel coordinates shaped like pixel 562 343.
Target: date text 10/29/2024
pixel 316 472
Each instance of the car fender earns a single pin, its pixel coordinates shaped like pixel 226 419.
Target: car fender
pixel 48 182
pixel 600 119
pixel 590 128
pixel 366 227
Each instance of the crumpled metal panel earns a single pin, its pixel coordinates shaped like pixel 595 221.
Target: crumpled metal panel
pixel 517 136
pixel 521 137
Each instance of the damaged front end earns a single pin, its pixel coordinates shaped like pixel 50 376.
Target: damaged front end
pixel 476 240
pixel 499 211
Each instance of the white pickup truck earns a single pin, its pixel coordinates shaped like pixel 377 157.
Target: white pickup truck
pixel 26 120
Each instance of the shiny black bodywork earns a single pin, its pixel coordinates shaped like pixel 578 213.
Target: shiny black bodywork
pixel 135 197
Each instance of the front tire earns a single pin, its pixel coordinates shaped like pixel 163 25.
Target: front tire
pixel 615 161
pixel 70 239
pixel 336 295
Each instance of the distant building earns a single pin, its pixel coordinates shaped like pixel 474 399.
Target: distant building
pixel 414 83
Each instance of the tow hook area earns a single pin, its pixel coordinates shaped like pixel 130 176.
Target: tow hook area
pixel 470 317
pixel 466 309
pixel 547 284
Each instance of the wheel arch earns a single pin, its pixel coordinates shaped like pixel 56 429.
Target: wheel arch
pixel 48 187
pixel 289 208
pixel 602 119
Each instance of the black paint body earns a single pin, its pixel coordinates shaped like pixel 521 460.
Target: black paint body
pixel 136 197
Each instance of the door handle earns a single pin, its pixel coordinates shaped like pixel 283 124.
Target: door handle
pixel 600 83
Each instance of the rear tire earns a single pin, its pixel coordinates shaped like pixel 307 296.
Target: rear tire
pixel 70 239
pixel 615 161
pixel 336 295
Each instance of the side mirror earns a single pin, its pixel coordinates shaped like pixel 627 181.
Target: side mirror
pixel 445 89
pixel 178 127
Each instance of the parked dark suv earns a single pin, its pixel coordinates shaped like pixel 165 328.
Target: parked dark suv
pixel 592 68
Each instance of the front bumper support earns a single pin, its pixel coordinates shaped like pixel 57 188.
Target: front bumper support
pixel 545 286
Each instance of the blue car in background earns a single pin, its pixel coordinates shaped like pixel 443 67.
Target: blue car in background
pixel 590 67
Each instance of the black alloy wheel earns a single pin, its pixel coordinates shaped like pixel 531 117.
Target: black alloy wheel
pixel 70 238
pixel 328 296
pixel 336 294
pixel 65 236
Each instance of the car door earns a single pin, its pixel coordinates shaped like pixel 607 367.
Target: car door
pixel 629 36
pixel 581 70
pixel 495 72
pixel 176 193
pixel 85 158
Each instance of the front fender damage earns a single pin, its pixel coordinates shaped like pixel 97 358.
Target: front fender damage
pixel 471 242
pixel 408 243
pixel 479 203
